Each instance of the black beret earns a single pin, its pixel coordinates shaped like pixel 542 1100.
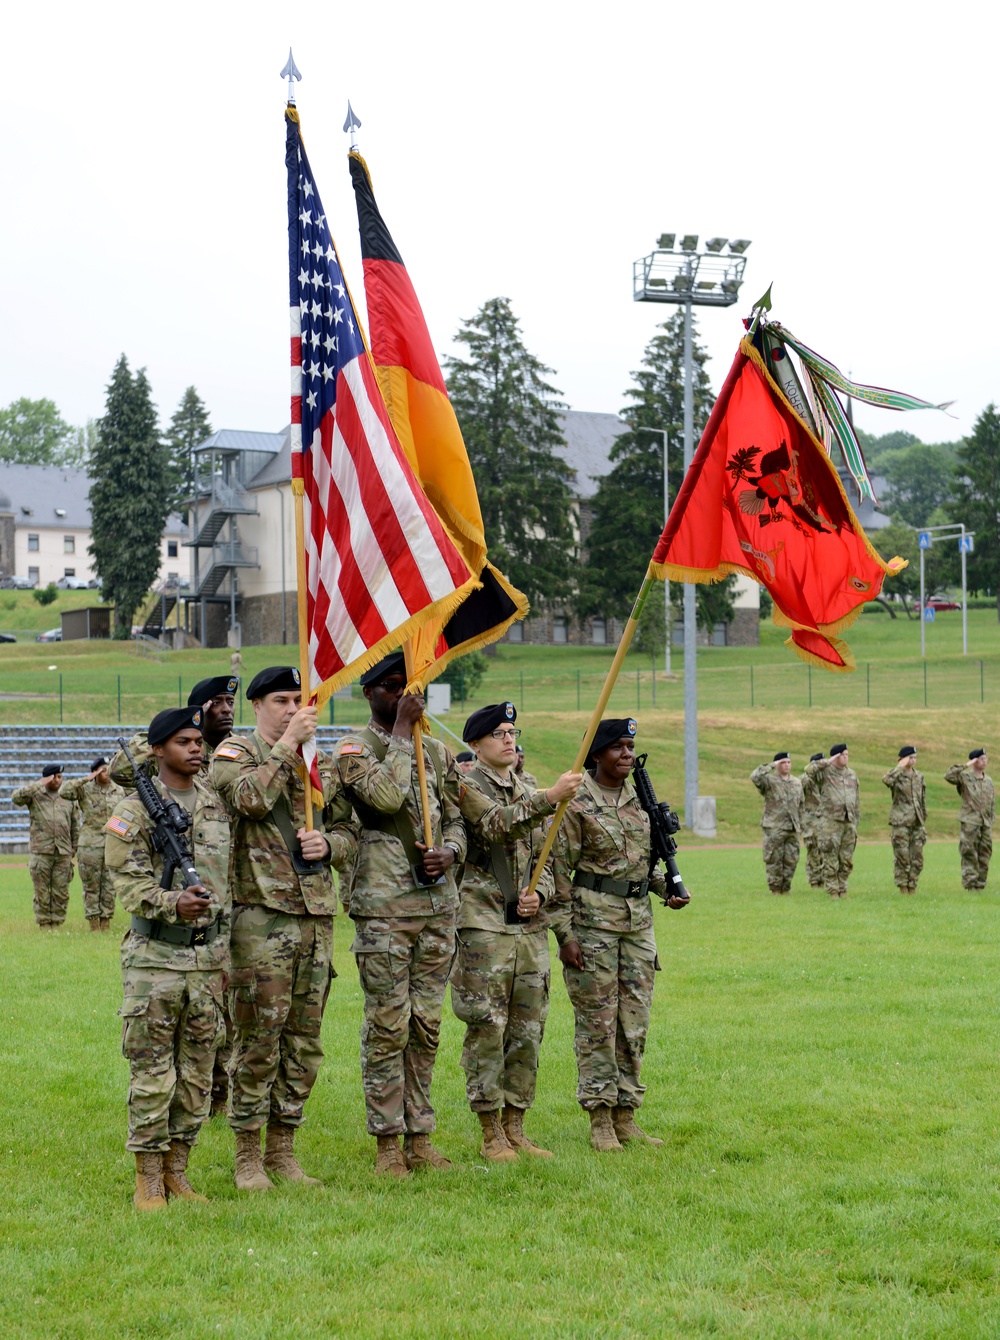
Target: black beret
pixel 275 679
pixel 837 749
pixel 815 758
pixel 465 756
pixel 393 664
pixel 168 723
pixel 976 753
pixel 98 763
pixel 212 688
pixel 51 769
pixel 519 748
pixel 610 730
pixel 487 719
pixel 906 751
pixel 779 757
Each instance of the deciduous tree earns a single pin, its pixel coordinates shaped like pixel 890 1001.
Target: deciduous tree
pixel 32 432
pixel 975 500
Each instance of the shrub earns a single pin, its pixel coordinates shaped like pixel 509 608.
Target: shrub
pixel 45 594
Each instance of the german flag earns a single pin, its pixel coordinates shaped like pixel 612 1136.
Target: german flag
pixel 413 387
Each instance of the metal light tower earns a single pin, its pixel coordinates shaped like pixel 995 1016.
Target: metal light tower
pixel 681 274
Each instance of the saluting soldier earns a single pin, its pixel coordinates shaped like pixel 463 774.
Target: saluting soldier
pixel 500 978
pixel 781 820
pixel 810 818
pixel 52 840
pixel 403 903
pixel 216 698
pixel 96 795
pixel 907 816
pixel 174 957
pixel 284 903
pixel 838 817
pixel 975 843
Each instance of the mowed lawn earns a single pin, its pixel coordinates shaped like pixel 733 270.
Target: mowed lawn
pixel 824 1074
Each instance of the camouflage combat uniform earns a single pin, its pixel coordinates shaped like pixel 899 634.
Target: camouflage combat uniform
pixel 500 978
pixel 975 842
pixel 606 841
pixel 907 816
pixel 52 841
pixel 836 822
pixel 282 937
pixel 810 816
pixel 404 933
pixel 172 1007
pixel 782 824
pixel 96 804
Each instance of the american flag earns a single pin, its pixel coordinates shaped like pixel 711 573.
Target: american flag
pixel 378 560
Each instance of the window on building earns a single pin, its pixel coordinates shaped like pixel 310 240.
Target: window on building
pixel 598 632
pixel 171 549
pixel 69 572
pixel 559 628
pixel 515 633
pixel 32 544
pixel 69 544
pixel 33 576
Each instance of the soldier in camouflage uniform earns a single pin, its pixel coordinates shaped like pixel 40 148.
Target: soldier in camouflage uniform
pixel 527 779
pixel 810 814
pixel 975 843
pixel 837 818
pixel 781 821
pixel 603 921
pixel 96 796
pixel 403 903
pixel 284 903
pixel 500 978
pixel 52 840
pixel 907 816
pixel 174 959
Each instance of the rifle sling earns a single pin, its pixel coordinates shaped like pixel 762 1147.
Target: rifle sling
pixel 398 825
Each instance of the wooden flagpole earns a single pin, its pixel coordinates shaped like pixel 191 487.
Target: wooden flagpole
pixel 298 492
pixel 418 745
pixel 626 641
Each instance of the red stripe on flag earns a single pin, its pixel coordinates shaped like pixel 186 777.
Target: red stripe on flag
pixel 399 334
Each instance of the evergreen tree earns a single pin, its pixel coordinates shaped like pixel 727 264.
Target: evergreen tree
pixel 975 500
pixel 628 505
pixel 508 415
pixel 32 432
pixel 130 495
pixel 188 429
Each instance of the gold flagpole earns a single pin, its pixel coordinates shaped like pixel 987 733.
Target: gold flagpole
pixel 298 492
pixel 418 745
pixel 626 641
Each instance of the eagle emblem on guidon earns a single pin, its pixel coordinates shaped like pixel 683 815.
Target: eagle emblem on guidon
pixel 509 711
pixel 296 677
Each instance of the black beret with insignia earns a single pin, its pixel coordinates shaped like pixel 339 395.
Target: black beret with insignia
pixel 906 751
pixel 393 664
pixel 487 719
pixel 976 753
pixel 51 769
pixel 779 757
pixel 275 679
pixel 98 763
pixel 815 758
pixel 610 730
pixel 168 723
pixel 837 749
pixel 214 687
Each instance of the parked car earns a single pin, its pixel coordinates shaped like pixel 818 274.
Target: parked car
pixel 53 635
pixel 71 584
pixel 94 584
pixel 7 637
pixel 16 583
pixel 943 603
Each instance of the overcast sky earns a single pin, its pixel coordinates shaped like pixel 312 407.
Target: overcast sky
pixel 529 150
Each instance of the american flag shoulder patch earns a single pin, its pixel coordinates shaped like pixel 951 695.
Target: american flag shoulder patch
pixel 227 751
pixel 120 826
pixel 352 747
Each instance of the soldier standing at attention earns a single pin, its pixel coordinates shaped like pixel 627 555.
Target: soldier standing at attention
pixel 52 839
pixel 174 958
pixel 810 815
pixel 403 903
pixel 781 821
pixel 500 978
pixel 284 903
pixel 603 921
pixel 907 816
pixel 837 818
pixel 975 843
pixel 96 795
pixel 526 778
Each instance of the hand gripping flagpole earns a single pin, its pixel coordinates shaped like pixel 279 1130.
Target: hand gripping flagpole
pixel 626 641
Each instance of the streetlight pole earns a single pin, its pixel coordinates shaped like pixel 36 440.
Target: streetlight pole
pixel 667 621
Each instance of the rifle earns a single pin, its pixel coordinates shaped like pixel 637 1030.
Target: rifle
pixel 172 823
pixel 663 824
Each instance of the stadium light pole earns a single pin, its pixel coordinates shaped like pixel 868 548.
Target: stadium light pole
pixel 667 620
pixel 683 275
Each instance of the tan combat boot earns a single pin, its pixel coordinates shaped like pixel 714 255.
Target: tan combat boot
pixel 420 1153
pixel 623 1119
pixel 279 1157
pixel 105 923
pixel 513 1128
pixel 495 1147
pixel 94 923
pixel 250 1174
pixel 389 1158
pixel 149 1182
pixel 175 1182
pixel 602 1132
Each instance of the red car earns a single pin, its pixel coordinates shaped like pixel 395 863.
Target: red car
pixel 942 603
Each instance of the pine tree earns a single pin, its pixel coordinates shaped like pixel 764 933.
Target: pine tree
pixel 508 413
pixel 130 495
pixel 188 429
pixel 975 500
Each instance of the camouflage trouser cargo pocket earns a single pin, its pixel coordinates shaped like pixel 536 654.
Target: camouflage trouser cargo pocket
pixel 243 997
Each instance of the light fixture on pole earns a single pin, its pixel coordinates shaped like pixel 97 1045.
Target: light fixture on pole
pixel 692 278
pixel 667 620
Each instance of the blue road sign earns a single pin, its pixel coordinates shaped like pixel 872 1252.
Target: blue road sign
pixel 924 539
pixel 965 545
pixel 929 614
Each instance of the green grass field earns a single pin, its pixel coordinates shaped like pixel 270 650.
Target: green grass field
pixel 824 1074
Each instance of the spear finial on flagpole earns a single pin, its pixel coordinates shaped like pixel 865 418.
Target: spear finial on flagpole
pixel 291 72
pixel 352 124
